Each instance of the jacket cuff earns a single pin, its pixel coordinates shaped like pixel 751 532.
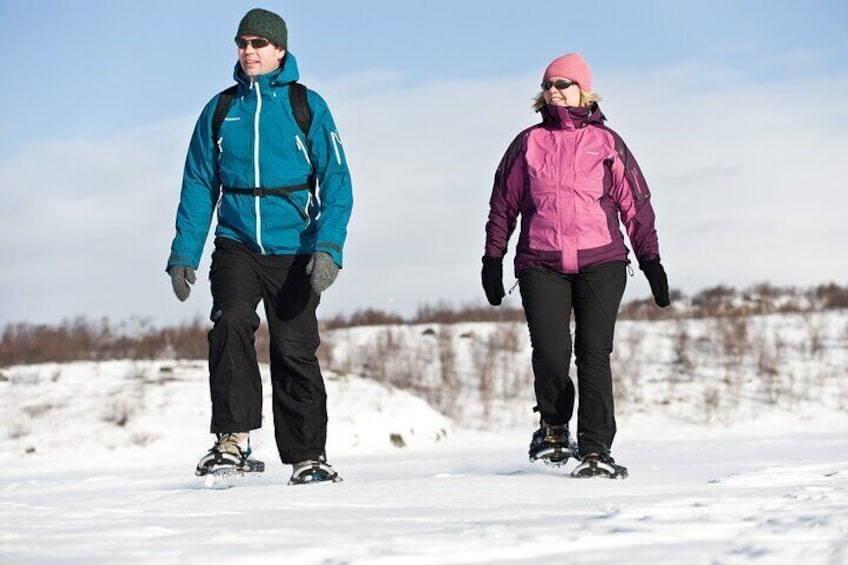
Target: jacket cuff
pixel 648 258
pixel 179 260
pixel 330 249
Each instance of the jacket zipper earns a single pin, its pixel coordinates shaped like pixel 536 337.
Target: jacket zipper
pixel 256 176
pixel 641 193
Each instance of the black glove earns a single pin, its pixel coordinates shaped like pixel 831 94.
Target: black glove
pixel 492 276
pixel 655 274
pixel 322 270
pixel 181 278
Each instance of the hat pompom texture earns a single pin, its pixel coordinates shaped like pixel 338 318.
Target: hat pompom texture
pixel 263 23
pixel 573 67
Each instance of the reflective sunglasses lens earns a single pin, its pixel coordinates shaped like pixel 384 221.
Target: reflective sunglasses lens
pixel 561 84
pixel 258 43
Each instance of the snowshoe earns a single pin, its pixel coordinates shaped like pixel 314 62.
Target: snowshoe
pixel 552 445
pixel 229 457
pixel 313 471
pixel 599 466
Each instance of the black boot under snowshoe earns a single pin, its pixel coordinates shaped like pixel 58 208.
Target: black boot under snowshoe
pixel 599 466
pixel 229 455
pixel 552 445
pixel 312 471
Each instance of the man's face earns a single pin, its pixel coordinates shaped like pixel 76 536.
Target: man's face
pixel 258 56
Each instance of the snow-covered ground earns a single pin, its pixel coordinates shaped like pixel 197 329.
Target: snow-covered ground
pixel 97 459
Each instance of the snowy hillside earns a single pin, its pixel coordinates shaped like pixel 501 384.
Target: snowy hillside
pixel 734 434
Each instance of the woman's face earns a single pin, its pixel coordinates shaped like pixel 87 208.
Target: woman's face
pixel 258 58
pixel 560 91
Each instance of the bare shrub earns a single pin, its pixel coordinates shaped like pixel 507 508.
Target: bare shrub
pixel 84 339
pixel 713 302
pixel 711 404
pixel 734 338
pixel 625 366
pixel 832 296
pixel 447 356
pixel 445 313
pixel 681 346
pixel 507 337
pixel 125 402
pixel 446 393
pixel 364 317
pixel 485 360
pixel 118 411
pixel 374 357
pixel 646 308
pixel 325 353
pixel 842 388
pixel 732 382
pixel 816 336
pixel 391 360
pixel 767 370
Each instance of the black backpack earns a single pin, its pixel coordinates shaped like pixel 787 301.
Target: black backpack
pixel 302 114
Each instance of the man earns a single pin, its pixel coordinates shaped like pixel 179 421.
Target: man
pixel 284 199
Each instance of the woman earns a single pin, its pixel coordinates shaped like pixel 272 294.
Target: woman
pixel 572 180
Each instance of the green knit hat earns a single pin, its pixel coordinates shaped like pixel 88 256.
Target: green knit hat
pixel 265 24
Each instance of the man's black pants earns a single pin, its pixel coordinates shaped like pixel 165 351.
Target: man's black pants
pixel 240 278
pixel 594 295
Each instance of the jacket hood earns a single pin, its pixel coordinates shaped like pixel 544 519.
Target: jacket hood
pixel 571 117
pixel 285 74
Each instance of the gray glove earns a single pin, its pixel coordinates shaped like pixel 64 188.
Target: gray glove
pixel 322 270
pixel 181 278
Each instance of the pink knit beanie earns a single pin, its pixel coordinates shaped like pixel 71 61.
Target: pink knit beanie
pixel 573 67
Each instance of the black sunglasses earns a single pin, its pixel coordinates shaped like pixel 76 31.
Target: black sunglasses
pixel 257 43
pixel 560 84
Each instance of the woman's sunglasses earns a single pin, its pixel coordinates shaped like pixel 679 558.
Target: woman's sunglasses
pixel 560 84
pixel 257 43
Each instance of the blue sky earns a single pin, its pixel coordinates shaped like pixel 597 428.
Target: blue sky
pixel 99 98
pixel 126 64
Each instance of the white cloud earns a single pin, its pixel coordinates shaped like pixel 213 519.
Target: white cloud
pixel 748 185
pixel 748 181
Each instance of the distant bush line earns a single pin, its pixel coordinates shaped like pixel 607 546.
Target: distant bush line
pixel 98 340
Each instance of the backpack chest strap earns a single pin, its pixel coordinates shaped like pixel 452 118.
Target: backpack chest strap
pixel 263 191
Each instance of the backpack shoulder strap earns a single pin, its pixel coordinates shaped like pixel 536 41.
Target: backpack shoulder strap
pixel 225 99
pixel 300 107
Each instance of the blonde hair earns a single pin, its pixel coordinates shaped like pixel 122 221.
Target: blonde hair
pixel 586 99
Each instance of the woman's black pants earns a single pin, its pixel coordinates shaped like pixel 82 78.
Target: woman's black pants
pixel 594 295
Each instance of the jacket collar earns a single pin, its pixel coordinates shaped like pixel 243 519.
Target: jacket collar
pixel 571 117
pixel 285 74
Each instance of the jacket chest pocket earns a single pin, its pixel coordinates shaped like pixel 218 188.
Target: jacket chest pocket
pixel 589 176
pixel 235 149
pixel 590 163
